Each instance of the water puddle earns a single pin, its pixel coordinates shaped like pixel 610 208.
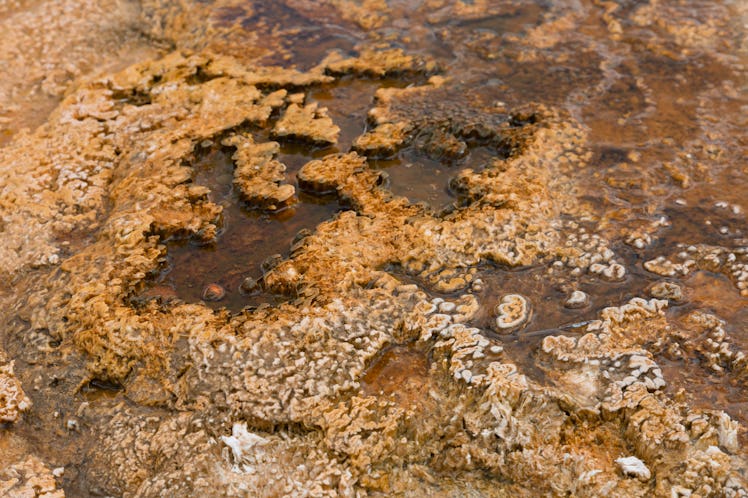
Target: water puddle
pixel 248 240
pixel 348 102
pixel 233 265
pixel 418 178
pixel 228 273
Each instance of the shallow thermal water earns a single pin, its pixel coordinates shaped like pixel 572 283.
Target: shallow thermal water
pixel 642 104
pixel 661 97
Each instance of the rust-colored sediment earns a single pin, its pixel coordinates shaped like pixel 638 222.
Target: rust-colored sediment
pixel 365 248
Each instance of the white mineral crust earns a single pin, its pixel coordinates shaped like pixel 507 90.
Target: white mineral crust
pixel 632 466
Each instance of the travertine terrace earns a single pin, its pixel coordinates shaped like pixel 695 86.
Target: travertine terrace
pixel 518 266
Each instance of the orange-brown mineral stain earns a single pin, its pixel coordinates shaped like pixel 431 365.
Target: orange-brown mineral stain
pixel 213 292
pixel 401 372
pixel 658 109
pixel 162 291
pixel 714 291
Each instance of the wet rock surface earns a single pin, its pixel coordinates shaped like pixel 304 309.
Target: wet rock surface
pixel 225 270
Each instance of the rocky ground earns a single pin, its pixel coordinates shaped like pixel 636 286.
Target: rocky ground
pixel 295 248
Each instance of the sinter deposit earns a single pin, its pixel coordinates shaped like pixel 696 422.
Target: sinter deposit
pixel 373 248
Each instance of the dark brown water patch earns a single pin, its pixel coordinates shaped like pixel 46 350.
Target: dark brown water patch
pixel 348 101
pixel 706 390
pixel 547 297
pixel 213 168
pixel 545 301
pixel 522 351
pixel 217 274
pixel 609 155
pixel 417 175
pixel 513 19
pixel 621 101
pixel 248 239
pixel 286 36
pixel 306 40
pixel 294 155
pixel 700 222
pixel 549 79
pixel 418 178
pixel 726 189
pixel 271 15
pixel 311 44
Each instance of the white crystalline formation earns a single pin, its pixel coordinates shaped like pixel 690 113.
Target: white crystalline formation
pixel 577 299
pixel 512 311
pixel 632 466
pixel 242 442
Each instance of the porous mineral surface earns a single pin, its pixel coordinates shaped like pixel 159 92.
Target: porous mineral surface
pixel 452 248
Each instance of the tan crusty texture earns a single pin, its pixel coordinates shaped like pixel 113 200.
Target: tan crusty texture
pixel 13 400
pixel 29 478
pixel 278 401
pixel 404 358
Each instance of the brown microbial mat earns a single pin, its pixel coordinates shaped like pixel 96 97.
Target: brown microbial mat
pixel 373 248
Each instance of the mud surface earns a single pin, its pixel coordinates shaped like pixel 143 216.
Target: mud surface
pixel 353 248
